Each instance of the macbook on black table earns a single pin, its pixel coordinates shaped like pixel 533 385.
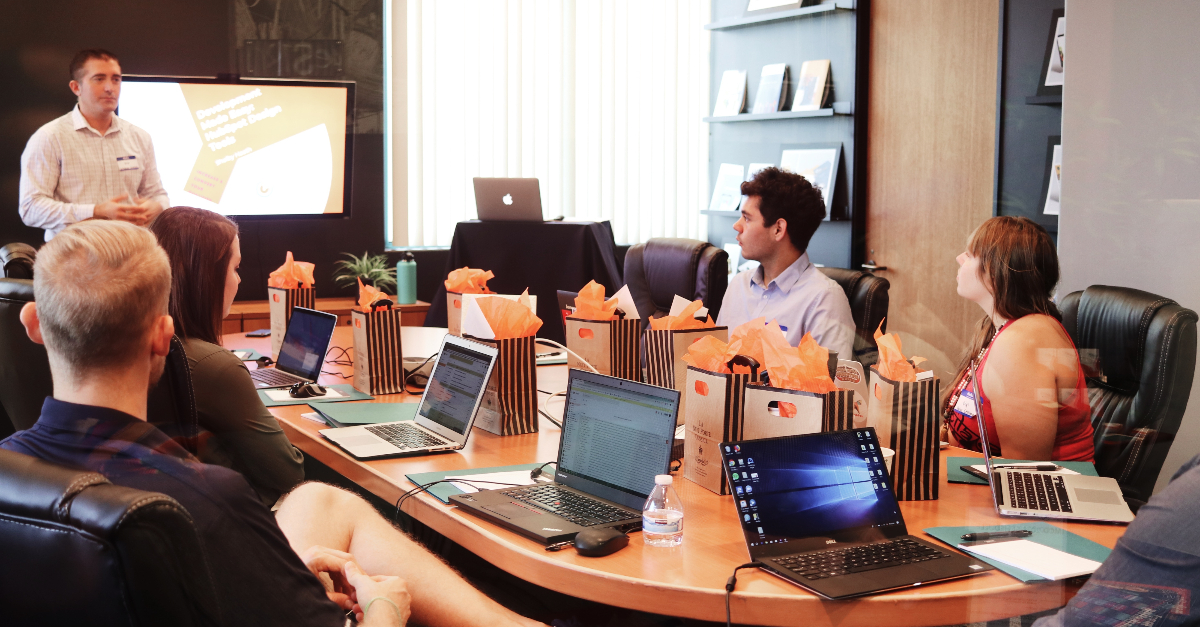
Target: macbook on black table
pixel 303 351
pixel 616 437
pixel 508 199
pixel 819 511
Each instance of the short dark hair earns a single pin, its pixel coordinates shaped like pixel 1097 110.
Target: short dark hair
pixel 199 244
pixel 83 56
pixel 788 197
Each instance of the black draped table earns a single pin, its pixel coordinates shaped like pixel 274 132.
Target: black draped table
pixel 542 256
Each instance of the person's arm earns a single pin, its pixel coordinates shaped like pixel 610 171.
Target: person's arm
pixel 41 166
pixel 1022 388
pixel 830 322
pixel 229 406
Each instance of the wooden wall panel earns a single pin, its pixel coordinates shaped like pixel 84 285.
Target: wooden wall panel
pixel 932 117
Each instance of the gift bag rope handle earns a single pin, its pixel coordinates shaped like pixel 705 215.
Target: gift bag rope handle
pixel 744 360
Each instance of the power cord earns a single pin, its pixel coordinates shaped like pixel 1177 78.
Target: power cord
pixel 416 490
pixel 409 375
pixel 537 472
pixel 731 583
pixel 546 342
pixel 342 359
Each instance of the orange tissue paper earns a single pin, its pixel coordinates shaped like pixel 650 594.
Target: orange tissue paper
pixel 709 353
pixel 367 295
pixel 292 274
pixel 508 318
pixel 469 281
pixel 685 320
pixel 804 368
pixel 590 304
pixel 748 339
pixel 892 363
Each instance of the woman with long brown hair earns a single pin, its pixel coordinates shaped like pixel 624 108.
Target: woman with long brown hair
pixel 1033 391
pixel 205 251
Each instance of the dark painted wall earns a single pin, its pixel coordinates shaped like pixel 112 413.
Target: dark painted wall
pixel 199 38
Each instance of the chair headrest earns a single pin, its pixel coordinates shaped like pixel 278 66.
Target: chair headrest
pixel 33 488
pixel 670 265
pixel 16 260
pixel 1114 322
pixel 16 289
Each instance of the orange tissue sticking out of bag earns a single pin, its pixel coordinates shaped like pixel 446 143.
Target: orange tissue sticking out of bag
pixel 510 318
pixel 748 339
pixel 804 368
pixel 590 304
pixel 892 363
pixel 367 295
pixel 468 281
pixel 711 354
pixel 292 274
pixel 685 320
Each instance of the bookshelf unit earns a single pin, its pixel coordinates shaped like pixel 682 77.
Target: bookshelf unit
pixel 837 30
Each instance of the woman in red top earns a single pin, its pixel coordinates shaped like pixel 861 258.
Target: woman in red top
pixel 1034 395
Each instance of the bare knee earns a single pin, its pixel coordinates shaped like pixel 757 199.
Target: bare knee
pixel 317 497
pixel 321 514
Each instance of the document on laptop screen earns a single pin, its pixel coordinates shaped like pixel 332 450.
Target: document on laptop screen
pixel 810 486
pixel 618 437
pixel 455 385
pixel 305 344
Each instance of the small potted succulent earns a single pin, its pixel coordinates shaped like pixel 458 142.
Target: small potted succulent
pixel 372 269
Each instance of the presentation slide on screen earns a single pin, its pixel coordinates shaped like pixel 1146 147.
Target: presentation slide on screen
pixel 245 149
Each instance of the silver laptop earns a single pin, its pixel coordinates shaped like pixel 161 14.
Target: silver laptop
pixel 303 350
pixel 508 199
pixel 1046 494
pixel 444 416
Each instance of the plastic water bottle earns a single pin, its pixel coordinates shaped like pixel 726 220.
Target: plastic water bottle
pixel 406 280
pixel 662 516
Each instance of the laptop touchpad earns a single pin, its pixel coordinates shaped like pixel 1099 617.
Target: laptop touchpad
pixel 1104 497
pixel 359 440
pixel 511 511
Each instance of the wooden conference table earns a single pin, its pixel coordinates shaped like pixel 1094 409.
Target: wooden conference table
pixel 687 581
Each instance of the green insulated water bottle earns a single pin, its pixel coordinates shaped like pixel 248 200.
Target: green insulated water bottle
pixel 406 280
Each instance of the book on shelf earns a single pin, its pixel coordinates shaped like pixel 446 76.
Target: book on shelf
pixel 814 89
pixel 731 97
pixel 727 193
pixel 772 89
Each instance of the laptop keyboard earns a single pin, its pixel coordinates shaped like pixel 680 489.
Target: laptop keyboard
pixel 405 435
pixel 857 559
pixel 577 508
pixel 1048 493
pixel 271 376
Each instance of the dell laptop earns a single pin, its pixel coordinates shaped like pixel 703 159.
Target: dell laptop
pixel 444 415
pixel 1049 494
pixel 616 437
pixel 303 351
pixel 819 510
pixel 508 199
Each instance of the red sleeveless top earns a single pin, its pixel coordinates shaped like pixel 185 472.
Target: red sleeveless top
pixel 1073 439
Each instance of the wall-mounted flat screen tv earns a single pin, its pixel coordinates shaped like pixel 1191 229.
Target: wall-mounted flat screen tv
pixel 271 148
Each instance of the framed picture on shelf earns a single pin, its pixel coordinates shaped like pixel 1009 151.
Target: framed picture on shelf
pixel 1053 182
pixel 816 162
pixel 1054 63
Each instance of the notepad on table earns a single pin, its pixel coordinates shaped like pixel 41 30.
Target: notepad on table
pixel 356 414
pixel 1039 559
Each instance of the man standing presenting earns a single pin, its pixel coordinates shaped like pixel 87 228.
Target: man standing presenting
pixel 779 216
pixel 89 163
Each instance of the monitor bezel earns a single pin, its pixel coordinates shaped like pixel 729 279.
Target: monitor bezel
pixel 347 175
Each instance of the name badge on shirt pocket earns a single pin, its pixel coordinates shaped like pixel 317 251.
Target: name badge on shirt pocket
pixel 966 404
pixel 127 163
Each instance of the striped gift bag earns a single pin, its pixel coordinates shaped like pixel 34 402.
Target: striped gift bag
pixel 378 361
pixel 665 366
pixel 906 420
pixel 612 347
pixel 509 404
pixel 838 414
pixel 280 302
pixel 714 415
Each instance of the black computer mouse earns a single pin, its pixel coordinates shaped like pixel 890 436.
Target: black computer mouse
pixel 600 542
pixel 306 390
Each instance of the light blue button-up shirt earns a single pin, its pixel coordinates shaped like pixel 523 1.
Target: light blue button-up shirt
pixel 801 299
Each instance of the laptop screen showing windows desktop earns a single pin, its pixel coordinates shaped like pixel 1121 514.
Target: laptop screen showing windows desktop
pixel 833 485
pixel 305 343
pixel 616 437
pixel 458 378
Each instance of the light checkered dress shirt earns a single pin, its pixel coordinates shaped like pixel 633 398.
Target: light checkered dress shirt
pixel 68 168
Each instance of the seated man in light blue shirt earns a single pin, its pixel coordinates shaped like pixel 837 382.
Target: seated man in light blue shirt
pixel 779 217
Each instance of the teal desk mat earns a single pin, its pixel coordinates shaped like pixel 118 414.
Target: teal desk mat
pixel 1043 533
pixel 443 491
pixel 250 353
pixel 355 414
pixel 955 473
pixel 344 388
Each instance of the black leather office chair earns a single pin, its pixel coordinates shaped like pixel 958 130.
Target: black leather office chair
pixel 1139 350
pixel 868 296
pixel 24 370
pixel 16 261
pixel 665 266
pixel 81 551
